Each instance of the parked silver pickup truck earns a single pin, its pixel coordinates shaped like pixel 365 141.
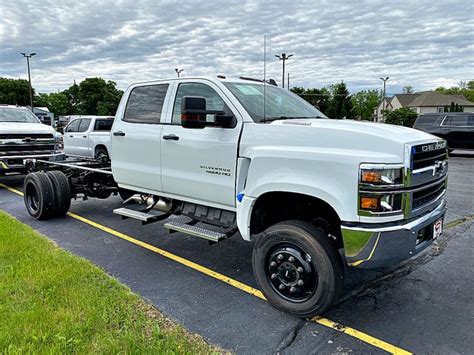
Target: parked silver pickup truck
pixel 23 137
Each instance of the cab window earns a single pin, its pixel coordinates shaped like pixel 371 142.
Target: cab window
pixel 456 121
pixel 103 125
pixel 213 100
pixel 84 125
pixel 73 126
pixel 145 104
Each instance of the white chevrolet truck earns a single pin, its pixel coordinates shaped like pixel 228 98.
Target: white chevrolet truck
pixel 239 156
pixel 88 136
pixel 23 137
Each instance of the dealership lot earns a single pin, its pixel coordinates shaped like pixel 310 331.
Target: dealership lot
pixel 424 306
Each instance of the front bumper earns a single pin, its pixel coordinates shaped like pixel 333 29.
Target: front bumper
pixel 17 163
pixel 371 246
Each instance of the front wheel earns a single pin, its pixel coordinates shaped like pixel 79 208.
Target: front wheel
pixel 297 268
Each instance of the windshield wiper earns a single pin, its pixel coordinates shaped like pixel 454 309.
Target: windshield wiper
pixel 271 119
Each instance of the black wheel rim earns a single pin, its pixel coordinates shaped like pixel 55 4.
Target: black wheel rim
pixel 32 198
pixel 291 273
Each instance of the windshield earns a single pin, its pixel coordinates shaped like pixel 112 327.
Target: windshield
pixel 279 103
pixel 17 115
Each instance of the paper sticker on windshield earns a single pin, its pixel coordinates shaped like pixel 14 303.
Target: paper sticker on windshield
pixel 248 90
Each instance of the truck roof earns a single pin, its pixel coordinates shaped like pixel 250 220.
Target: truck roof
pixel 215 79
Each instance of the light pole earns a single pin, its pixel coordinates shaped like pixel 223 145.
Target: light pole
pixel 178 71
pixel 28 56
pixel 283 57
pixel 383 96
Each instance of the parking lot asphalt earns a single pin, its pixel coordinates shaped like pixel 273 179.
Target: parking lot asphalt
pixel 424 306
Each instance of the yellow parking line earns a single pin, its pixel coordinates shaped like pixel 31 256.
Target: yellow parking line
pixel 237 284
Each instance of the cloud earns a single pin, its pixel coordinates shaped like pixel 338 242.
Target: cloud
pixel 418 43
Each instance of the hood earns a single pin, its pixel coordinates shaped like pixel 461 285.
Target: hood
pixel 394 133
pixel 18 127
pixel 370 142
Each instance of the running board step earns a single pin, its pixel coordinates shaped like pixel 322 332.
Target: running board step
pixel 213 236
pixel 141 216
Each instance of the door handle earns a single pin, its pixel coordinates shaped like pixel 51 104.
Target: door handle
pixel 119 133
pixel 71 136
pixel 171 137
pixel 84 136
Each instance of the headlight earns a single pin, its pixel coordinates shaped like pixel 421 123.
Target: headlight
pixel 380 203
pixel 58 139
pixel 380 189
pixel 381 175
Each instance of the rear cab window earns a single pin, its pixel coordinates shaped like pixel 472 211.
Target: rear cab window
pixel 145 104
pixel 455 121
pixel 103 124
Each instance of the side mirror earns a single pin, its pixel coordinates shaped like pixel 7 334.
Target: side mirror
pixel 193 113
pixel 193 110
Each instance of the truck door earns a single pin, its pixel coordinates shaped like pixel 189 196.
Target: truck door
pixel 71 137
pixel 82 137
pixel 200 164
pixel 136 139
pixel 458 134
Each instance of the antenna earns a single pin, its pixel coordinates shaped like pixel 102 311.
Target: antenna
pixel 264 73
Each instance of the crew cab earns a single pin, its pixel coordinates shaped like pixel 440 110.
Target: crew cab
pixel 22 137
pixel 88 136
pixel 241 155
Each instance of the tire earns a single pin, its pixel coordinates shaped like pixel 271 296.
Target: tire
pixel 39 195
pixel 63 192
pixel 102 154
pixel 312 282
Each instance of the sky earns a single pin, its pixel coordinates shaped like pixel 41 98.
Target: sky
pixel 424 44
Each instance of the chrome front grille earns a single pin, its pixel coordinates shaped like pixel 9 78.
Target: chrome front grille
pixel 426 176
pixel 425 196
pixel 24 144
pixel 426 155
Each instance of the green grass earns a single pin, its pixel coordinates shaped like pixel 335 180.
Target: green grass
pixel 52 301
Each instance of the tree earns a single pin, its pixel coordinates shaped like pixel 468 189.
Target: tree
pixel 402 117
pixel 98 97
pixel 340 105
pixel 319 98
pixel 408 89
pixel 466 89
pixel 365 102
pixel 58 103
pixel 14 92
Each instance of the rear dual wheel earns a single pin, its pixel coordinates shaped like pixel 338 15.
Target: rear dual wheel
pixel 297 268
pixel 47 195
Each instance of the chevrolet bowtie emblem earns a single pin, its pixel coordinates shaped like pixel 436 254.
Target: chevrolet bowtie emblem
pixel 439 166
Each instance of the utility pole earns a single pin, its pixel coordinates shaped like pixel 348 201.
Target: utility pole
pixel 288 82
pixel 383 96
pixel 178 71
pixel 283 57
pixel 28 56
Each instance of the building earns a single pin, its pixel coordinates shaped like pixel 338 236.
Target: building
pixel 424 102
pixel 432 101
pixel 378 111
pixel 44 115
